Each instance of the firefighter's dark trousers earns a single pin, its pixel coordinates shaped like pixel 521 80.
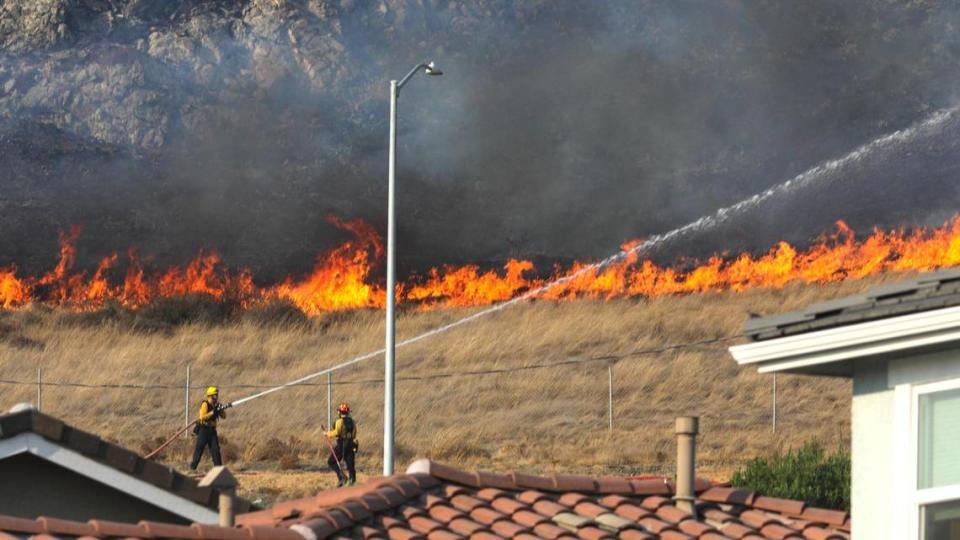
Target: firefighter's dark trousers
pixel 345 453
pixel 206 436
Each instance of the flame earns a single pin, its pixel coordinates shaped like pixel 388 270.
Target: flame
pixel 346 277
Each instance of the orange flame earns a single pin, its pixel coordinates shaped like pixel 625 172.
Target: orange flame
pixel 345 277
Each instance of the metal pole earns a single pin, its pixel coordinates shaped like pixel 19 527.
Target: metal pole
pixel 390 360
pixel 610 396
pixel 39 389
pixel 186 400
pixel 329 399
pixel 774 402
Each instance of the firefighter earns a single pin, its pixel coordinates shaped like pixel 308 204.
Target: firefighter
pixel 206 428
pixel 345 431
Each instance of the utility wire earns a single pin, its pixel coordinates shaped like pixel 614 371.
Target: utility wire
pixel 427 377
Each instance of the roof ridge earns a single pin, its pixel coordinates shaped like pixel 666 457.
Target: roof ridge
pixel 99 528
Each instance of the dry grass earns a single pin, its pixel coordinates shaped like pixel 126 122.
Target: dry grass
pixel 541 420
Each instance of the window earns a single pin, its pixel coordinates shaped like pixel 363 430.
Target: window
pixel 938 460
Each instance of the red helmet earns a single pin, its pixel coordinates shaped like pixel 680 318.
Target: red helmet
pixel 344 408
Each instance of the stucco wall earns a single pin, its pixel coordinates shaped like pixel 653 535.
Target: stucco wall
pixel 882 445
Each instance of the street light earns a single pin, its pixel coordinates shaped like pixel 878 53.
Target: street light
pixel 390 367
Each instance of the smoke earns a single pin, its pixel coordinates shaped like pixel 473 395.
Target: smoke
pixel 559 130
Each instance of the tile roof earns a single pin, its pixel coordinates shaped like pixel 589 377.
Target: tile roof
pixel 927 292
pixel 111 455
pixel 437 502
pixel 46 528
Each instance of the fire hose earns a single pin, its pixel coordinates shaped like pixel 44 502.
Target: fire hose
pixel 169 441
pixel 708 221
pixel 333 452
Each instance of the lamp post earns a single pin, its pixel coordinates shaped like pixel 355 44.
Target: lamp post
pixel 390 367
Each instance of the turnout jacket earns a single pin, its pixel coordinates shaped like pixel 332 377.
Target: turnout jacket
pixel 208 416
pixel 344 429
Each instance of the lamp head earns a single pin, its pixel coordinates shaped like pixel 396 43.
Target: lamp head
pixel 432 69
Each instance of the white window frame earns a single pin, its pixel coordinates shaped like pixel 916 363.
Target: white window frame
pixel 920 497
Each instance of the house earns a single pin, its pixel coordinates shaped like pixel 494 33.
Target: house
pixel 57 482
pixel 900 345
pixel 438 502
pixel 49 468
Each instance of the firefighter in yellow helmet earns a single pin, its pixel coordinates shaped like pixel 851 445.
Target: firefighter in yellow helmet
pixel 211 410
pixel 345 432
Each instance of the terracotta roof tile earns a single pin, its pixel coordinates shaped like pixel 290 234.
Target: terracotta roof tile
pixel 220 533
pixel 674 535
pixel 781 506
pixel 483 535
pixel 633 534
pixel 527 481
pixel 550 531
pixel 508 506
pixel 399 533
pixel 614 485
pixel 590 509
pixel 631 511
pixel 486 515
pixel 831 517
pixel 654 502
pixel 271 533
pixel 613 501
pixel 572 499
pixel 779 532
pixel 756 519
pixel 466 502
pixel 548 508
pixel 728 495
pixel 489 494
pixel 528 518
pixel 582 484
pixel 65 527
pixel 593 533
pixel 531 496
pixel 465 526
pixel 443 534
pixel 487 506
pixel 736 530
pixel 672 514
pixel 167 530
pixel 370 533
pixel 508 529
pixel 489 479
pixel 653 524
pixel 19 525
pixel 694 528
pixel 444 513
pixel 650 487
pixel 423 524
pixel 112 528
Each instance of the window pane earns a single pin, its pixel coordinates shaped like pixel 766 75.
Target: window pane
pixel 941 521
pixel 939 455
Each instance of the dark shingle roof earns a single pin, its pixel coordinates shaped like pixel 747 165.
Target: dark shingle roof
pixel 927 292
pixel 111 455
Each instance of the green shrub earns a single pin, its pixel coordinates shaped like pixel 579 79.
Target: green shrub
pixel 809 474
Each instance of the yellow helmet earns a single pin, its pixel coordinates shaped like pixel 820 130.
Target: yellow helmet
pixel 212 391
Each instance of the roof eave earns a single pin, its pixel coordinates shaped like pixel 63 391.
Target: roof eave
pixel 832 351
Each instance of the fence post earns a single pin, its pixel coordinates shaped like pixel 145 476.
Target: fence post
pixel 186 400
pixel 39 389
pixel 774 402
pixel 610 396
pixel 330 400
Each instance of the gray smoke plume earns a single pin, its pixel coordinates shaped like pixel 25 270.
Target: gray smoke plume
pixel 560 129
